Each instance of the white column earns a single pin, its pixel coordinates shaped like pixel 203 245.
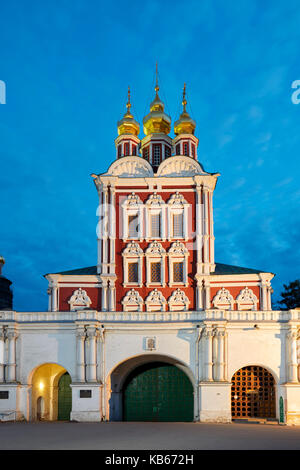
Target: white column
pixel 105 231
pixel 112 296
pixel 54 298
pixel 208 335
pixel 49 292
pixel 2 358
pixel 199 240
pixel 211 221
pixel 80 339
pixel 104 289
pixel 292 364
pixel 205 230
pixel 11 365
pixel 220 355
pixel 112 230
pixel 92 356
pixel 199 295
pixel 264 305
pixel 207 294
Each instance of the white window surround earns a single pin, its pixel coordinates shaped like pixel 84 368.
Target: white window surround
pixel 246 300
pixel 223 300
pixel 132 253
pixel 177 205
pixel 155 253
pixel 79 300
pixel 178 253
pixel 155 302
pixel 178 301
pixel 132 206
pixel 132 302
pixel 155 205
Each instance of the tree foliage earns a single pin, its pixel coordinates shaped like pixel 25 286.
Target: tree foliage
pixel 290 295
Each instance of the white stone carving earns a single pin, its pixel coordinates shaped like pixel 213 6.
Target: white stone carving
pixel 155 248
pixel 178 248
pixel 79 300
pixel 180 166
pixel 132 200
pixel 223 300
pixel 177 199
pixel 155 200
pixel 155 301
pixel 178 301
pixel 246 300
pixel 132 249
pixel 130 167
pixel 132 301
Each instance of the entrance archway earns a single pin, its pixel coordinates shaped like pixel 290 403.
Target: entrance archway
pixel 51 393
pixel 253 393
pixel 151 388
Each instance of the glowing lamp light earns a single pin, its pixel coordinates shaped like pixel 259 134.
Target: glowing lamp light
pixel 41 386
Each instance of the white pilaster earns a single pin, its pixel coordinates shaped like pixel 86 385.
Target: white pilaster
pixel 80 339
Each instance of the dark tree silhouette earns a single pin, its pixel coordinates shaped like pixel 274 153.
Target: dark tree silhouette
pixel 290 295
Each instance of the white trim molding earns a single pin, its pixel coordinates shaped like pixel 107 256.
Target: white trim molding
pixel 178 253
pixel 178 301
pixel 155 302
pixel 79 300
pixel 133 253
pixel 246 300
pixel 132 206
pixel 223 300
pixel 132 302
pixel 177 205
pixel 155 253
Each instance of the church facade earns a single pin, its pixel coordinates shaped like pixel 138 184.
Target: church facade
pixel 157 330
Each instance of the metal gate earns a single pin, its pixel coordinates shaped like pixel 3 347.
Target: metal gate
pixel 64 398
pixel 158 392
pixel 253 393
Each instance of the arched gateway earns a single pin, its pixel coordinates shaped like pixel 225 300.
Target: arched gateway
pixel 151 389
pixel 253 393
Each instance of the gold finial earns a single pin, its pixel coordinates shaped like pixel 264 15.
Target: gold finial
pixel 128 105
pixel 184 102
pixel 156 80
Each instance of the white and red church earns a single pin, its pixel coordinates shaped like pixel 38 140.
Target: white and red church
pixel 157 330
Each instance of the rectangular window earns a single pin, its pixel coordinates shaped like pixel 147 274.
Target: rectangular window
pixel 126 148
pixel 178 149
pixel 133 226
pixel 155 225
pixel 146 153
pixel 133 149
pixel 156 157
pixel 85 394
pixel 133 272
pixel 186 148
pixel 177 225
pixel 119 150
pixel 4 395
pixel 156 272
pixel 178 272
pixel 193 151
pixel 167 151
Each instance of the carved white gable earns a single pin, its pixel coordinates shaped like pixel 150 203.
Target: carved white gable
pixel 177 199
pixel 132 200
pixel 79 300
pixel 133 249
pixel 155 248
pixel 179 166
pixel 132 301
pixel 130 167
pixel 178 301
pixel 246 300
pixel 178 248
pixel 155 301
pixel 223 300
pixel 155 200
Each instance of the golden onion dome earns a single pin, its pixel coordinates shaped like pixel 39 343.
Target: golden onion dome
pixel 157 121
pixel 185 124
pixel 128 125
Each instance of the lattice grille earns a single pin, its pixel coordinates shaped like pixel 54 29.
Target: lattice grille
pixel 253 393
pixel 133 226
pixel 178 272
pixel 155 272
pixel 178 225
pixel 133 272
pixel 155 225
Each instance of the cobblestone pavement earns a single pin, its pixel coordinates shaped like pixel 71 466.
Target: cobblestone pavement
pixel 169 436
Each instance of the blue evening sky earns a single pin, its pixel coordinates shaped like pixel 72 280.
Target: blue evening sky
pixel 67 65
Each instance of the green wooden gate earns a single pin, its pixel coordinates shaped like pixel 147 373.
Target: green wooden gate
pixel 158 392
pixel 64 397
